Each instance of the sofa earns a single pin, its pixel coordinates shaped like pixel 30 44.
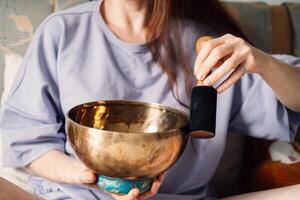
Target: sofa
pixel 274 29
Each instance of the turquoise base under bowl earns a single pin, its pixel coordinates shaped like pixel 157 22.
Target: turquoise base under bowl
pixel 123 186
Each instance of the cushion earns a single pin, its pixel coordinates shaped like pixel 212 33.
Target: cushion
pixel 19 19
pixel 12 63
pixel 282 30
pixel 259 28
pixel 64 4
pixel 294 11
pixel 277 165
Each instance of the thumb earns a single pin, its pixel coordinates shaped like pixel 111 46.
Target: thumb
pixel 81 174
pixel 87 177
pixel 72 171
pixel 133 194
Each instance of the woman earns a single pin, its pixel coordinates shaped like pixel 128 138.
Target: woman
pixel 141 50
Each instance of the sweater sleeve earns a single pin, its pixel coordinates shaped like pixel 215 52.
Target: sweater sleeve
pixel 257 112
pixel 31 120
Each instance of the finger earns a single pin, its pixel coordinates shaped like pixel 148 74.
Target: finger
pixel 132 195
pixel 205 50
pixel 234 77
pixel 161 177
pixel 154 188
pixel 229 65
pixel 213 59
pixel 153 191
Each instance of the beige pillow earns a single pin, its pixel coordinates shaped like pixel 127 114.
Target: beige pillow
pixel 12 63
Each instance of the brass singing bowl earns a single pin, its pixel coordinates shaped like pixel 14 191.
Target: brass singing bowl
pixel 126 139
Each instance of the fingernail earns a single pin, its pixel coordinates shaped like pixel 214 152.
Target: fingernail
pixel 200 77
pixel 195 71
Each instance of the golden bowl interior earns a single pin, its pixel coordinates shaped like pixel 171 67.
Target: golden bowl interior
pixel 128 117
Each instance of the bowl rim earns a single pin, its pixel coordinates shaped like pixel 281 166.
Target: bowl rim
pixel 132 102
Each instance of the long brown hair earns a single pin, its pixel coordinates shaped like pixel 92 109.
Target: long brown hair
pixel 166 17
